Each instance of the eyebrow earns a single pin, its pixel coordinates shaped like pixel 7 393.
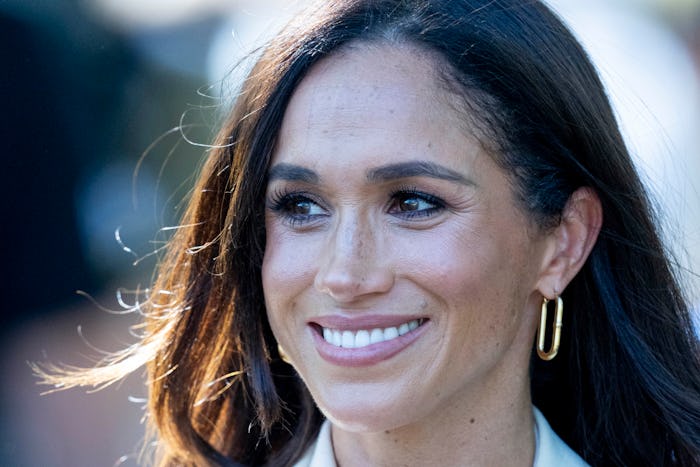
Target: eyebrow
pixel 293 173
pixel 416 169
pixel 385 173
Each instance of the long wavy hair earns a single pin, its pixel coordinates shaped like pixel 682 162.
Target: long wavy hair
pixel 625 389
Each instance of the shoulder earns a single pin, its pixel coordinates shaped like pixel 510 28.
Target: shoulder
pixel 551 451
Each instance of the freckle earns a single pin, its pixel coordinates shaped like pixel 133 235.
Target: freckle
pixel 430 144
pixel 471 420
pixel 386 432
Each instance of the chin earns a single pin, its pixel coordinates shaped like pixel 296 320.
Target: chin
pixel 357 410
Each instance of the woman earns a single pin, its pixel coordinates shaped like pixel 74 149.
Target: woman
pixel 400 191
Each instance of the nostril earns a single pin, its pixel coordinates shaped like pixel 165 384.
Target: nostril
pixel 345 286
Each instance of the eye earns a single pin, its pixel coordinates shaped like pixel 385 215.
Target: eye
pixel 412 203
pixel 300 206
pixel 297 208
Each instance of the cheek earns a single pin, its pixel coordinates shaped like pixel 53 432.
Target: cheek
pixel 286 270
pixel 470 273
pixel 451 261
pixel 273 277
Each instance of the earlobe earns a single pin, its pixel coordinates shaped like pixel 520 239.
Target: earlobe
pixel 571 241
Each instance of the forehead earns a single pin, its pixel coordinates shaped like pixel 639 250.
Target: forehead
pixel 381 93
pixel 360 74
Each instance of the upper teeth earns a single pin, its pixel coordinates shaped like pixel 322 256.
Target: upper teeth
pixel 365 337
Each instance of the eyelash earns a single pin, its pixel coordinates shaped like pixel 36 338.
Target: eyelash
pixel 282 203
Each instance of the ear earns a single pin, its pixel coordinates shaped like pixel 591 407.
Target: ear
pixel 570 243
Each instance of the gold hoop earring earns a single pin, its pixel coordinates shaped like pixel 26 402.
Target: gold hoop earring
pixel 556 330
pixel 283 355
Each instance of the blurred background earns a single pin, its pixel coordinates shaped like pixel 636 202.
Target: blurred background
pixel 107 109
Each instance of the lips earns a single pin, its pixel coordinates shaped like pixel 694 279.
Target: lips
pixel 362 342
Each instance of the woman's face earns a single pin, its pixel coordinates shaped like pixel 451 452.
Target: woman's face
pixel 399 274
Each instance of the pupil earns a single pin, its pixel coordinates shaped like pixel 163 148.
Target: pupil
pixel 410 204
pixel 301 207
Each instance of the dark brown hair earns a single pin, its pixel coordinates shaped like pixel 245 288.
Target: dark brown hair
pixel 625 389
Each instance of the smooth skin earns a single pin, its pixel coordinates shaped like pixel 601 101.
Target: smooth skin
pixel 383 207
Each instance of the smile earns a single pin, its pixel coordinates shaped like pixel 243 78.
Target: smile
pixel 364 337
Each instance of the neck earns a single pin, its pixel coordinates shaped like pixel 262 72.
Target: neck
pixel 492 430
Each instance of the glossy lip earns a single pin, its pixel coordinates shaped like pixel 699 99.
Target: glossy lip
pixel 371 354
pixel 368 322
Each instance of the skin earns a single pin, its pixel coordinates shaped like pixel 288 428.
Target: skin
pixel 355 238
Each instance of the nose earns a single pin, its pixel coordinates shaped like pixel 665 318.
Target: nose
pixel 354 262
